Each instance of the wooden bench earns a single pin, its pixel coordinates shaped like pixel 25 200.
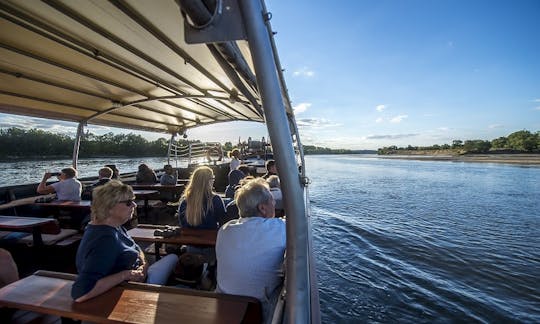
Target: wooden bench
pixel 22 202
pixel 36 226
pixel 50 293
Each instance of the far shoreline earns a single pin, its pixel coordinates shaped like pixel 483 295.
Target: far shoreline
pixel 521 159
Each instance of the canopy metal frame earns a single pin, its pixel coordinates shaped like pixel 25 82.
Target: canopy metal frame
pixel 132 64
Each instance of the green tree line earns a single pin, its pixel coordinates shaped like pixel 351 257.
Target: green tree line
pixel 311 149
pixel 518 142
pixel 19 143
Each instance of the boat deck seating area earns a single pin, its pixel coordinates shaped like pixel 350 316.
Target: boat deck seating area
pixel 34 231
pixel 47 292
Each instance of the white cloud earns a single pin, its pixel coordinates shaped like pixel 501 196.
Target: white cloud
pixel 537 108
pixel 536 100
pixel 444 129
pixel 305 72
pixel 316 123
pixel 380 108
pixel 301 107
pixel 379 120
pixel 493 126
pixel 398 119
pixel 55 126
pixel 395 136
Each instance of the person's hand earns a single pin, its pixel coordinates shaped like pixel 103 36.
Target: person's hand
pixel 143 268
pixel 47 175
pixel 135 275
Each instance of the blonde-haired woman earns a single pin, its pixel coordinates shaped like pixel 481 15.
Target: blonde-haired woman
pixel 200 206
pixel 107 254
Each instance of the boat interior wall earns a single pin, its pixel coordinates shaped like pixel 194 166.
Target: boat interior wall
pixel 122 64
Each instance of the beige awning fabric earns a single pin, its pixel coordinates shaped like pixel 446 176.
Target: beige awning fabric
pixel 119 63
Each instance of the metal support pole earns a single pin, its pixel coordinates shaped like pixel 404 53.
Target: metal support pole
pixel 171 141
pixel 76 145
pixel 298 285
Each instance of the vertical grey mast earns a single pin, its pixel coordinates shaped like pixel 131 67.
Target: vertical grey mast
pixel 76 145
pixel 298 294
pixel 169 149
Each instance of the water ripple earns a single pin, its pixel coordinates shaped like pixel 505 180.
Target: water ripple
pixel 426 242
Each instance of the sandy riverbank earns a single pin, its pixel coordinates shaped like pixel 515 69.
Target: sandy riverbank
pixel 523 159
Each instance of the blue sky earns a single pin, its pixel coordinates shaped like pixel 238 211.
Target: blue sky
pixel 367 74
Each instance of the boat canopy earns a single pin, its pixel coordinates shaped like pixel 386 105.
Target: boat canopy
pixel 162 66
pixel 127 64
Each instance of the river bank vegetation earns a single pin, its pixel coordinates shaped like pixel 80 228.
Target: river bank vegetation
pixel 16 143
pixel 518 142
pixel 311 149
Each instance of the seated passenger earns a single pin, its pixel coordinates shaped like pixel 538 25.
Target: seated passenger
pixel 104 175
pixel 145 175
pixel 8 274
pixel 116 172
pixel 234 179
pixel 68 188
pixel 8 270
pixel 170 177
pixel 270 169
pixel 199 206
pixel 231 210
pixel 275 189
pixel 250 249
pixel 235 159
pixel 107 255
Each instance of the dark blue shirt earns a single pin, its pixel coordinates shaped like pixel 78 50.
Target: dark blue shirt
pixel 211 217
pixel 104 250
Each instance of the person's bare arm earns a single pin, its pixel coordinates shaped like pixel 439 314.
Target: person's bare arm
pixel 106 283
pixel 8 270
pixel 43 188
pixel 144 266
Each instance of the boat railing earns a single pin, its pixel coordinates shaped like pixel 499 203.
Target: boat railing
pixel 183 155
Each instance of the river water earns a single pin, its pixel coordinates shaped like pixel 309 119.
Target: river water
pixel 407 241
pixel 421 241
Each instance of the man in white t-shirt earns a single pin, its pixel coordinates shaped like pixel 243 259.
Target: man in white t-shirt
pixel 250 250
pixel 68 188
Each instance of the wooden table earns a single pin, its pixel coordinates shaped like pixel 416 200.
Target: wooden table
pixel 35 225
pixel 145 195
pixel 23 201
pixel 189 236
pixel 157 186
pixel 86 204
pixel 175 190
pixel 49 293
pixel 81 204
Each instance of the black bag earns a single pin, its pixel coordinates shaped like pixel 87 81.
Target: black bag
pixel 45 199
pixel 190 267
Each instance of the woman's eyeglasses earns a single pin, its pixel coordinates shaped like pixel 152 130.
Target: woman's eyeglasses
pixel 128 202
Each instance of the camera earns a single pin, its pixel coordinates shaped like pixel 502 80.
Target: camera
pixel 55 174
pixel 168 231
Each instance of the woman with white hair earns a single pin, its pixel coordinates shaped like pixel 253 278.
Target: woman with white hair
pixel 107 254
